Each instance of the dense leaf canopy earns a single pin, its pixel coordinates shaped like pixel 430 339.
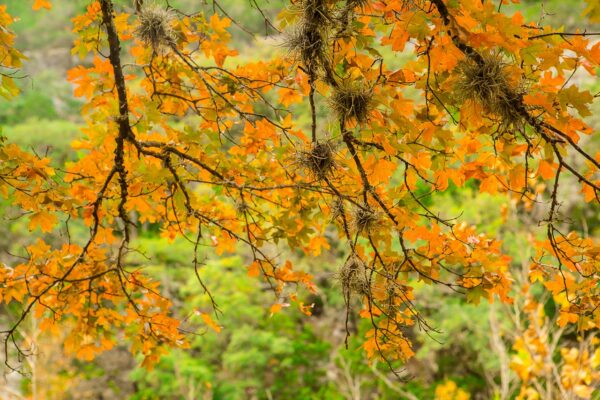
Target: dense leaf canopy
pixel 405 97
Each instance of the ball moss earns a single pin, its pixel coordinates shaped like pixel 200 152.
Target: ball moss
pixel 352 101
pixel 353 276
pixel 155 27
pixel 318 159
pixel 364 219
pixel 488 83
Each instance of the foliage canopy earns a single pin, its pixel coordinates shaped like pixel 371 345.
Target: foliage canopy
pixel 183 138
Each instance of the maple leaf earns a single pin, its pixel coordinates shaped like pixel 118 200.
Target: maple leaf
pixel 546 169
pixel 254 269
pixel 316 244
pixel 44 220
pixel 219 24
pixel 565 318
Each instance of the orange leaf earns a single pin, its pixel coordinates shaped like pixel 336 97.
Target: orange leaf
pixel 316 244
pixel 489 185
pixel 41 4
pixel 254 269
pixel 210 322
pixel 545 169
pixel 86 352
pixel 219 24
pixel 589 193
pixel 275 308
pixel 566 317
pixel 42 219
pixel 289 96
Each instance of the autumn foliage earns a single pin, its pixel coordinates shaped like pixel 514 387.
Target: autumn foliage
pixel 184 137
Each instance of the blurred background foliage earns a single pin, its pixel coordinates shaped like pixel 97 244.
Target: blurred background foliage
pixel 258 355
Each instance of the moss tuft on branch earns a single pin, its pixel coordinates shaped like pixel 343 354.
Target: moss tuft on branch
pixel 318 159
pixel 352 101
pixel 353 277
pixel 488 83
pixel 364 219
pixel 155 27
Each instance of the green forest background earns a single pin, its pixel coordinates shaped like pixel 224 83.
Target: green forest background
pixel 258 355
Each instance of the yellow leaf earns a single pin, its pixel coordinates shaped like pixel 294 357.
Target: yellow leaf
pixel 583 391
pixel 450 391
pixel 536 275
